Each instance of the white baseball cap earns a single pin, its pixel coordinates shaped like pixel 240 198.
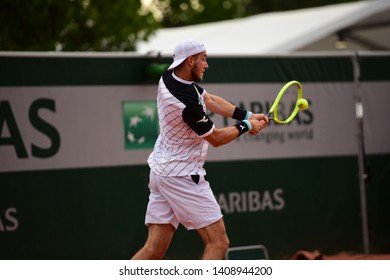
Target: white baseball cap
pixel 185 49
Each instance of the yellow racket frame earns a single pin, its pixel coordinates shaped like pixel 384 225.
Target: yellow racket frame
pixel 277 99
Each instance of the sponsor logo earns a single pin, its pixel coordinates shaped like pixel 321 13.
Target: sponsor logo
pixel 11 131
pixel 140 121
pixel 203 120
pixel 8 220
pixel 251 201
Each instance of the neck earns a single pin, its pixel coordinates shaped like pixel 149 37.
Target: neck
pixel 176 77
pixel 182 73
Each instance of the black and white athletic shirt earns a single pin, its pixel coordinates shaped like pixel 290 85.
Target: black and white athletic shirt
pixel 180 149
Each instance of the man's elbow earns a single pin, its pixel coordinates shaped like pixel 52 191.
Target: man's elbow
pixel 216 141
pixel 216 144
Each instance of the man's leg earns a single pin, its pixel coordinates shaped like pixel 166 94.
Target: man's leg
pixel 157 243
pixel 215 240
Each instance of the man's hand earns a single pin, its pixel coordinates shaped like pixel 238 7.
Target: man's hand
pixel 258 122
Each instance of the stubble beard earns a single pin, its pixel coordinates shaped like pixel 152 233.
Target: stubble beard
pixel 195 77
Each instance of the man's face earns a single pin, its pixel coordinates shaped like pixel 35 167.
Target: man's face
pixel 200 66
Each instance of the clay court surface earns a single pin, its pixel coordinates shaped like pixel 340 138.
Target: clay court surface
pixel 316 255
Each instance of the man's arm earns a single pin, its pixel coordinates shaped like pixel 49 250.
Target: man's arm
pixel 223 107
pixel 222 136
pixel 218 105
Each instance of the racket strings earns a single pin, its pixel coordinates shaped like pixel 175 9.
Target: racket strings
pixel 287 104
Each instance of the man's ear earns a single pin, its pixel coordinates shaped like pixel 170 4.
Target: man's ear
pixel 190 61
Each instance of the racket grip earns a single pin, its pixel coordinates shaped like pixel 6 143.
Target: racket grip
pixel 269 116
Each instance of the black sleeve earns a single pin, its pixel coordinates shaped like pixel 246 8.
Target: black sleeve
pixel 197 119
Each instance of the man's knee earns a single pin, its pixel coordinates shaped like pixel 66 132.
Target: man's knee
pixel 154 252
pixel 223 244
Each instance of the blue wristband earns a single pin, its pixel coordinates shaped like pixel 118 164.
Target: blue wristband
pixel 248 124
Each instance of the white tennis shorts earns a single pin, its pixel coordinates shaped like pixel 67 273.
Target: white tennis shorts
pixel 179 200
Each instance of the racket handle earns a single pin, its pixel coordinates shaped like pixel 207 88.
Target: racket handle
pixel 269 116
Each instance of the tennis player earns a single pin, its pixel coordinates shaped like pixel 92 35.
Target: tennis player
pixel 179 193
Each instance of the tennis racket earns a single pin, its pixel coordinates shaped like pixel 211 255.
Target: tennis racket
pixel 287 103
